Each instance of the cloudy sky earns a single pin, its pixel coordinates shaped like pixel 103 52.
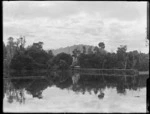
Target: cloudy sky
pixel 65 23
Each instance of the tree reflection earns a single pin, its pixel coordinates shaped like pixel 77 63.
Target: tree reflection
pixel 37 87
pixel 14 94
pixel 15 90
pixel 101 95
pixel 97 84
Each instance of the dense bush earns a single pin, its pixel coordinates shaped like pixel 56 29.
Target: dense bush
pixel 60 61
pixel 34 57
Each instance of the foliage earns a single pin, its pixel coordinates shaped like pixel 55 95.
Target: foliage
pixel 101 45
pixel 40 56
pixel 120 60
pixel 90 50
pixel 34 57
pixel 84 49
pixel 76 52
pixel 122 56
pixel 25 62
pixel 31 58
pixel 60 61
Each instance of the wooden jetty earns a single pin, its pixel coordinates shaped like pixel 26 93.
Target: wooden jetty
pixel 105 72
pixel 143 72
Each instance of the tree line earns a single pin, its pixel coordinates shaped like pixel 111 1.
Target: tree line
pixel 33 57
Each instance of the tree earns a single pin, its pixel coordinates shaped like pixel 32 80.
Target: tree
pixel 63 64
pixel 100 49
pixel 35 54
pixel 19 44
pixel 76 55
pixel 122 48
pixel 84 50
pixel 39 55
pixel 50 63
pixel 21 41
pixel 76 52
pixel 122 56
pixel 143 62
pixel 61 61
pixel 96 50
pixel 111 61
pixel 38 46
pixel 22 62
pixel 90 50
pixel 50 53
pixel 64 56
pixel 11 50
pixel 101 45
pixel 134 58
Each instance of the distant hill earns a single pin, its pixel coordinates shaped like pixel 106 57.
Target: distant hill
pixel 69 49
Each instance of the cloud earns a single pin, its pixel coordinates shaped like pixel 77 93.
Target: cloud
pixel 32 9
pixel 51 9
pixel 60 24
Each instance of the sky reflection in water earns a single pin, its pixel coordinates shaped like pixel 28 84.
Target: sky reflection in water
pixel 42 95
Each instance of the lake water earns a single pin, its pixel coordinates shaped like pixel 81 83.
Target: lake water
pixel 108 94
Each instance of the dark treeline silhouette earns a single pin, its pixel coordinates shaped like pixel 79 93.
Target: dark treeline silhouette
pixel 34 57
pixel 120 60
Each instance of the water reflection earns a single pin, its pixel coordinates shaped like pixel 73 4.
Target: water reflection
pixel 14 89
pixel 12 93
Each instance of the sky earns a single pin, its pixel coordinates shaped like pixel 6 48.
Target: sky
pixel 65 23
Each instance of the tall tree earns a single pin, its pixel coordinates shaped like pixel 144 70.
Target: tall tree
pixel 61 59
pixel 38 46
pixel 134 59
pixel 90 50
pixel 96 50
pixel 101 45
pixel 20 44
pixel 22 41
pixel 122 56
pixel 50 53
pixel 84 50
pixel 11 49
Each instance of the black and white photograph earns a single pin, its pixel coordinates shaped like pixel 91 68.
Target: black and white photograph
pixel 75 56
